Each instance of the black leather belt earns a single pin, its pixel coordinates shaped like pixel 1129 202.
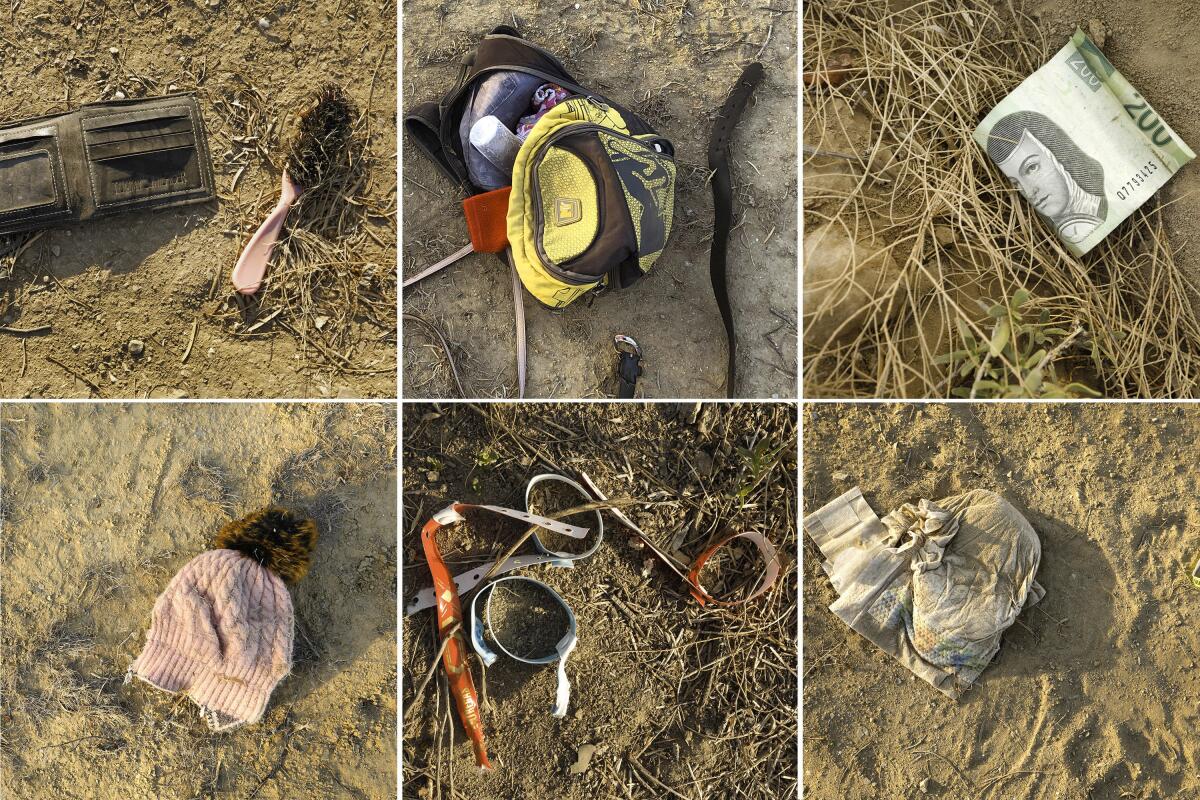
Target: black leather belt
pixel 722 188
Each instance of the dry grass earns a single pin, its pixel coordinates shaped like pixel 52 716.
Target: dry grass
pixel 355 445
pixel 703 700
pixel 924 76
pixel 205 482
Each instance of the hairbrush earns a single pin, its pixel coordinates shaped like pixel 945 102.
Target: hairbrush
pixel 323 135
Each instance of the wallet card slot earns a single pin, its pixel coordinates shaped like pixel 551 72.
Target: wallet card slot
pixel 147 176
pixel 141 130
pixel 31 184
pixel 14 138
pixel 102 119
pixel 137 157
pixel 133 147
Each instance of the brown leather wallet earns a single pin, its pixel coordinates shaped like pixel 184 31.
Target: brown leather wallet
pixel 101 159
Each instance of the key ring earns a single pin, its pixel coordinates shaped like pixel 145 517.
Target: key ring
pixel 626 344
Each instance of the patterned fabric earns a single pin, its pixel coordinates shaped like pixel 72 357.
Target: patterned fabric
pixel 928 530
pixel 649 184
pixel 221 632
pixel 545 97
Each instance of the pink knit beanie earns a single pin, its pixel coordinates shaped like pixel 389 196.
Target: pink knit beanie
pixel 222 630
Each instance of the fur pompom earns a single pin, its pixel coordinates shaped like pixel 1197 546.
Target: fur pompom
pixel 274 537
pixel 320 145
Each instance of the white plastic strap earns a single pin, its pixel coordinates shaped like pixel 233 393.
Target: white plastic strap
pixel 448 516
pixel 562 650
pixel 627 522
pixel 565 559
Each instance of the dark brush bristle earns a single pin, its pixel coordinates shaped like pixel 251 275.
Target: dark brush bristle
pixel 325 129
pixel 274 537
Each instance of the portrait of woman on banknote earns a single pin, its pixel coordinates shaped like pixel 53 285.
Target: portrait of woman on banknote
pixel 1064 184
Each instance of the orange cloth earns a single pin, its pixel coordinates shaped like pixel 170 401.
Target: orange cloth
pixel 487 220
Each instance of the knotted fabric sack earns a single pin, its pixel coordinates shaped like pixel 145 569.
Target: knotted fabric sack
pixel 935 585
pixel 222 630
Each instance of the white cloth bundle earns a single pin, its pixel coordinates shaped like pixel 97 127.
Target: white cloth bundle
pixel 933 584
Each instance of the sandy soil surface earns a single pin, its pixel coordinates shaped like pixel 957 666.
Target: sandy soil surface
pixel 1093 693
pixel 102 505
pixel 158 277
pixel 677 700
pixel 674 63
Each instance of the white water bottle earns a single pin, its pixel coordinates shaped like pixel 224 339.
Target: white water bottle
pixel 496 142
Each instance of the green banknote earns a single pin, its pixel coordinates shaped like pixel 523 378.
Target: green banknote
pixel 1080 144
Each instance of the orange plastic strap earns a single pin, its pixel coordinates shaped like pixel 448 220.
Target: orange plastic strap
pixel 449 611
pixel 487 220
pixel 770 573
pixel 692 578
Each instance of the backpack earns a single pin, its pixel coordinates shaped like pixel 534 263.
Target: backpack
pixel 593 185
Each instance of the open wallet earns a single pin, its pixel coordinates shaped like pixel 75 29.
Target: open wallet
pixel 102 159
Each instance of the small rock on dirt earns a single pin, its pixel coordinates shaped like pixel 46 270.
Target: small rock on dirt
pixel 136 347
pixel 583 759
pixel 1097 31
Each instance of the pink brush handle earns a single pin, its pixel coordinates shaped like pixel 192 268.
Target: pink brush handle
pixel 251 267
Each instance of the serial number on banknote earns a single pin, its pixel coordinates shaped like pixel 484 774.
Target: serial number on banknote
pixel 1141 176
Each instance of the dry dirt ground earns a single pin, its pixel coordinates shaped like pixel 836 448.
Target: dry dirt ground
pixel 1093 693
pixel 674 62
pixel 158 277
pixel 678 700
pixel 102 504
